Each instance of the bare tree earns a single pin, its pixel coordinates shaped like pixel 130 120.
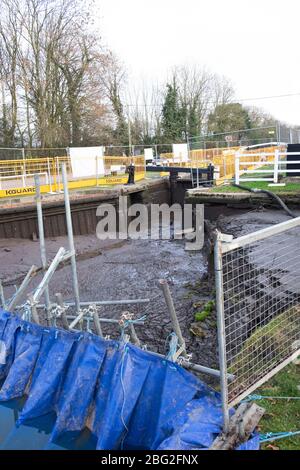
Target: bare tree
pixel 9 46
pixel 49 60
pixel 145 104
pixel 112 77
pixel 194 85
pixel 222 90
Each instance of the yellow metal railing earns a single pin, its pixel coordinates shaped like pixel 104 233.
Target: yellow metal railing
pixel 17 176
pixel 223 159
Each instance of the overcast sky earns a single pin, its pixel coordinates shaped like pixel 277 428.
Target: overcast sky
pixel 256 43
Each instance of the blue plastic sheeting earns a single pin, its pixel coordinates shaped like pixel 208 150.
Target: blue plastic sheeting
pixel 80 391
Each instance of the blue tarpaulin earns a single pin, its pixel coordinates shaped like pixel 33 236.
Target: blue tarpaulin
pixel 69 387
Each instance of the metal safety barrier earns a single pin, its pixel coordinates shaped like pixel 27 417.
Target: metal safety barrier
pixel 17 176
pixel 223 159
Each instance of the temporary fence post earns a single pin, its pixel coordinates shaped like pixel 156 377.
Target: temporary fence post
pixel 237 168
pixel 70 237
pixel 276 164
pixel 38 200
pixel 221 328
pixel 24 168
pixel 278 136
pixel 58 174
pixel 96 171
pixel 49 175
pixel 54 174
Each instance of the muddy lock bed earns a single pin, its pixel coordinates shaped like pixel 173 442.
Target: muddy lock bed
pixel 132 269
pixel 128 270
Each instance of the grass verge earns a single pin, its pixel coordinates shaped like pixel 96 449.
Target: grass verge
pixel 282 415
pixel 288 188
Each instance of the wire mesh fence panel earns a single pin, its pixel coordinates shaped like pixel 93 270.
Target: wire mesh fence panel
pixel 11 154
pixel 45 152
pixel 260 306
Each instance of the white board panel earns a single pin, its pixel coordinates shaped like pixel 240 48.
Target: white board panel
pixel 148 153
pixel 180 152
pixel 83 161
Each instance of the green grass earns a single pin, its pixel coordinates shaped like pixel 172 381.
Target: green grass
pixel 288 188
pixel 272 338
pixel 282 415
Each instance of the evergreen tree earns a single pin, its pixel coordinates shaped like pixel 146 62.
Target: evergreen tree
pixel 172 115
pixel 193 121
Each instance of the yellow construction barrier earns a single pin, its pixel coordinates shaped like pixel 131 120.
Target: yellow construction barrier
pixel 223 159
pixel 17 176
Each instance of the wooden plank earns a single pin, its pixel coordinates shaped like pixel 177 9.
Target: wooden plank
pixel 241 426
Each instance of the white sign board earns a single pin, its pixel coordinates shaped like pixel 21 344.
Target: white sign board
pixel 148 153
pixel 83 161
pixel 180 152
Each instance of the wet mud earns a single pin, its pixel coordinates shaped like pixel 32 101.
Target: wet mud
pixel 131 269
